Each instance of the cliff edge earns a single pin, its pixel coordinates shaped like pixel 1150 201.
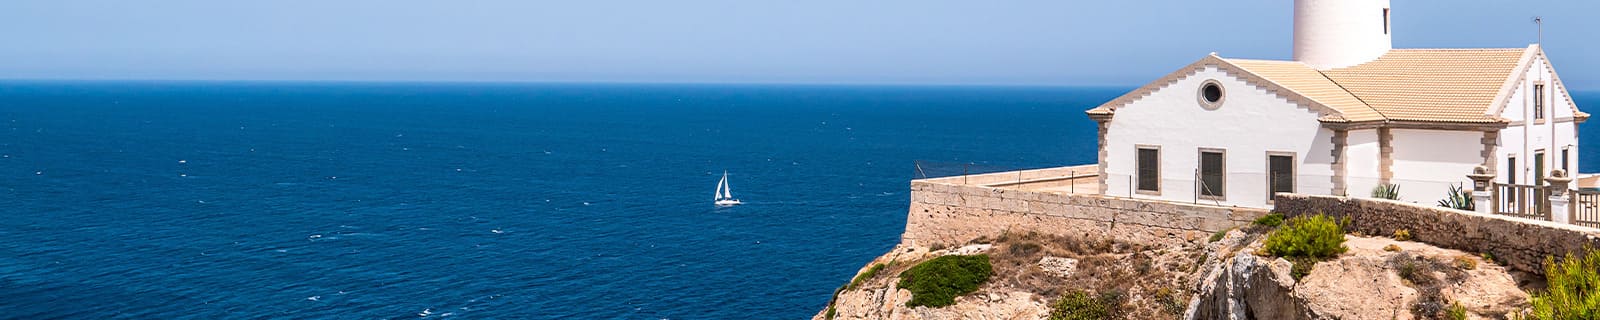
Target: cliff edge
pixel 1040 276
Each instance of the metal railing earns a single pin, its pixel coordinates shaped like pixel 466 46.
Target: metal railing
pixel 1586 208
pixel 1523 201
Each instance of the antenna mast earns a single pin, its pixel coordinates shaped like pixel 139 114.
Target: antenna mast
pixel 1539 22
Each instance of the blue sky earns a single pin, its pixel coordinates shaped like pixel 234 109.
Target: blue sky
pixel 1037 42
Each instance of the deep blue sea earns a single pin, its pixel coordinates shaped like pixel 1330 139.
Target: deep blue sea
pixel 205 200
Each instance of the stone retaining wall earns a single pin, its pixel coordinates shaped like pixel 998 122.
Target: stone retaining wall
pixel 1522 244
pixel 950 214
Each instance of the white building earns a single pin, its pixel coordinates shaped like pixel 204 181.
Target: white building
pixel 1349 113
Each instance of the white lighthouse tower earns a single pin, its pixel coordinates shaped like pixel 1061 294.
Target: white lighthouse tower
pixel 1332 34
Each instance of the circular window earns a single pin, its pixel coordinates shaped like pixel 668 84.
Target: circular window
pixel 1211 94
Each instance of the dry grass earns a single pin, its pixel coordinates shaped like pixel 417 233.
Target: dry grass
pixel 1423 274
pixel 1153 279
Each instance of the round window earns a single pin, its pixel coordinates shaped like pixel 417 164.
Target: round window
pixel 1211 94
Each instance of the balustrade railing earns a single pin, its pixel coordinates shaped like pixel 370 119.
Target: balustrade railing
pixel 1522 201
pixel 1586 208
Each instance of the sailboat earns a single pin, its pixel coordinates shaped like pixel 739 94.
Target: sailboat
pixel 723 197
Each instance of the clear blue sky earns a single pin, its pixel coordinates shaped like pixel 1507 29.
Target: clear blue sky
pixel 1048 42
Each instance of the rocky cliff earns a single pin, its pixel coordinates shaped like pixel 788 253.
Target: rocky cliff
pixel 1378 278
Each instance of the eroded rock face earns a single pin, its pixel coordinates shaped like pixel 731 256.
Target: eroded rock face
pixel 1364 283
pixel 1230 282
pixel 1058 266
pixel 1248 287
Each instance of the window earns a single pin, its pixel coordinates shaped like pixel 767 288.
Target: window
pixel 1565 161
pixel 1213 174
pixel 1385 20
pixel 1149 168
pixel 1538 101
pixel 1538 168
pixel 1211 94
pixel 1280 173
pixel 1511 170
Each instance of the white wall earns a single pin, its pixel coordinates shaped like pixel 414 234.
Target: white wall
pixel 1427 162
pixel 1362 170
pixel 1524 137
pixel 1249 123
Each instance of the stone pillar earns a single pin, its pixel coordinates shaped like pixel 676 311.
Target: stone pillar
pixel 1560 210
pixel 1102 120
pixel 1482 180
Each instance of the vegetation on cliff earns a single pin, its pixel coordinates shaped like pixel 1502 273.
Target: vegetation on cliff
pixel 937 282
pixel 1271 220
pixel 871 272
pixel 1573 290
pixel 1315 236
pixel 1305 240
pixel 1081 305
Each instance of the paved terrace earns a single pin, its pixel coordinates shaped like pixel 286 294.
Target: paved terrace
pixel 1081 179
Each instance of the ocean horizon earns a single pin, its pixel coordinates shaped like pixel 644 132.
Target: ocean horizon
pixel 287 200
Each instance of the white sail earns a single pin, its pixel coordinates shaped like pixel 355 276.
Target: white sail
pixel 720 183
pixel 727 192
pixel 724 196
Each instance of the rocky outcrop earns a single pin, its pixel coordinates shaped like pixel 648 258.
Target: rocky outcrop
pixel 1368 282
pixel 881 297
pixel 1247 287
pixel 1224 279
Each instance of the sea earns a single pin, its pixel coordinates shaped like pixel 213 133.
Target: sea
pixel 285 200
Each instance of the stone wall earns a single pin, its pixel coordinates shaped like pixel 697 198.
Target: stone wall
pixel 950 214
pixel 1522 244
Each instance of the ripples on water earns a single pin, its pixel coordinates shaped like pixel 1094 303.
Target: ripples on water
pixel 208 200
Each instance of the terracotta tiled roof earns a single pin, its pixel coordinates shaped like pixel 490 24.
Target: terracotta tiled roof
pixel 1310 83
pixel 1435 85
pixel 1418 85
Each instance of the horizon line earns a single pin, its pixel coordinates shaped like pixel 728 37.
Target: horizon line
pixel 612 82
pixel 597 82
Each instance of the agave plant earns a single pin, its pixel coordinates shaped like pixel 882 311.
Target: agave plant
pixel 1458 197
pixel 1386 191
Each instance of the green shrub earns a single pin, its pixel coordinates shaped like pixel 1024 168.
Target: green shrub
pixel 1219 235
pixel 1386 191
pixel 833 301
pixel 1171 302
pixel 1080 305
pixel 864 276
pixel 1456 312
pixel 1271 220
pixel 1573 290
pixel 1409 270
pixel 1402 235
pixel 1315 236
pixel 1457 197
pixel 937 282
pixel 1465 263
pixel 1300 267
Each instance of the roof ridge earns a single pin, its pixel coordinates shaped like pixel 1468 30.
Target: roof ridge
pixel 1352 94
pixel 1455 49
pixel 1302 95
pixel 1263 60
